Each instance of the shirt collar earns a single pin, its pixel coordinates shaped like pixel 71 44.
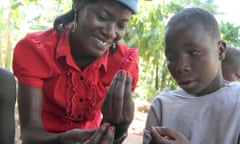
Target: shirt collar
pixel 63 44
pixel 103 60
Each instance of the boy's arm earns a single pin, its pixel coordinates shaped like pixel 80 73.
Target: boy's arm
pixel 239 139
pixel 154 119
pixel 154 133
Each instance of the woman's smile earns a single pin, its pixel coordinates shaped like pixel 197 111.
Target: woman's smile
pixel 101 44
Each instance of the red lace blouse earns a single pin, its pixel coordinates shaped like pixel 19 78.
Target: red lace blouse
pixel 72 98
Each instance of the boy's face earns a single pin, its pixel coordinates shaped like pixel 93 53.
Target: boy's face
pixel 194 58
pixel 231 71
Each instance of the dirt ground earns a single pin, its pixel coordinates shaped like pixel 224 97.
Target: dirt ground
pixel 135 130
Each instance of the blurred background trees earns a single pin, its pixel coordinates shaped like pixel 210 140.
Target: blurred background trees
pixel 145 31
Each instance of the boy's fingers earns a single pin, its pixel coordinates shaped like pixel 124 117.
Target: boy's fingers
pixel 168 132
pixel 172 134
pixel 158 138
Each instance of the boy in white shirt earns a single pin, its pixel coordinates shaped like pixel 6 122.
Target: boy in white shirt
pixel 206 108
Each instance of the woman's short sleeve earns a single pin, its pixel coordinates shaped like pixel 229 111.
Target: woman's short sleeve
pixel 30 62
pixel 130 64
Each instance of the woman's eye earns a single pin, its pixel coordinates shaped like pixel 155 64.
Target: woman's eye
pixel 102 17
pixel 195 53
pixel 122 26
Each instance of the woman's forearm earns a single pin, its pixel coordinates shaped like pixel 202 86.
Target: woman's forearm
pixel 39 136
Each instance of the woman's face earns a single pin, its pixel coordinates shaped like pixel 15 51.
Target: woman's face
pixel 100 25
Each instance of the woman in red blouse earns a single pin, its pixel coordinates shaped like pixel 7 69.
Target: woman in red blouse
pixel 77 76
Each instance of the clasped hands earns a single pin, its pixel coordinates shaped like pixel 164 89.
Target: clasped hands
pixel 118 107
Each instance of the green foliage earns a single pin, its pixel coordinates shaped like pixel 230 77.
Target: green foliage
pixel 230 33
pixel 146 32
pixel 19 17
pixel 16 4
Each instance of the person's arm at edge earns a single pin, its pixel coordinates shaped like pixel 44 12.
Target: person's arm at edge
pixel 239 139
pixel 7 106
pixel 30 105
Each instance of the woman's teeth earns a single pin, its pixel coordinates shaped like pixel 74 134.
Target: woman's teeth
pixel 100 41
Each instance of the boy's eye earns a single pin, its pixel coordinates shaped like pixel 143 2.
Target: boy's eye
pixel 169 59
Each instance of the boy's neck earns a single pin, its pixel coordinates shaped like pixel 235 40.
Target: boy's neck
pixel 215 85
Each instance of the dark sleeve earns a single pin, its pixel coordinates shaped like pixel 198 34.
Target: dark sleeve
pixel 7 106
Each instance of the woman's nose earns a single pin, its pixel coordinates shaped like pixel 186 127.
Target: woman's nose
pixel 110 31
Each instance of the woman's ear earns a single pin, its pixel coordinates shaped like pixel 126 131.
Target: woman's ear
pixel 222 48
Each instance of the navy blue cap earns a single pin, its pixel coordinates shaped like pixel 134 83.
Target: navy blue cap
pixel 131 4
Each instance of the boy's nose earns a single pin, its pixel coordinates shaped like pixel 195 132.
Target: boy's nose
pixel 182 66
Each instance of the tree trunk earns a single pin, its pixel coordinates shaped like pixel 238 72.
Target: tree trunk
pixel 8 54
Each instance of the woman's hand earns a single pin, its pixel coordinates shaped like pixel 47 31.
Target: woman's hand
pixel 118 106
pixel 103 135
pixel 167 136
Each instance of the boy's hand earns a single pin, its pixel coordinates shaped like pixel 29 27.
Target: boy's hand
pixel 118 106
pixel 167 136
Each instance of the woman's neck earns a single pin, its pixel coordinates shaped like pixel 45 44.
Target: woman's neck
pixel 81 60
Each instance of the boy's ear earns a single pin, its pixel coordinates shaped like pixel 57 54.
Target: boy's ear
pixel 222 49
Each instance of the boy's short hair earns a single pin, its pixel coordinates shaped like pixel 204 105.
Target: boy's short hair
pixel 199 14
pixel 231 55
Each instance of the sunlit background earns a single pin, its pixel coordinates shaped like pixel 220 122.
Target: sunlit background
pixel 146 29
pixel 230 10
